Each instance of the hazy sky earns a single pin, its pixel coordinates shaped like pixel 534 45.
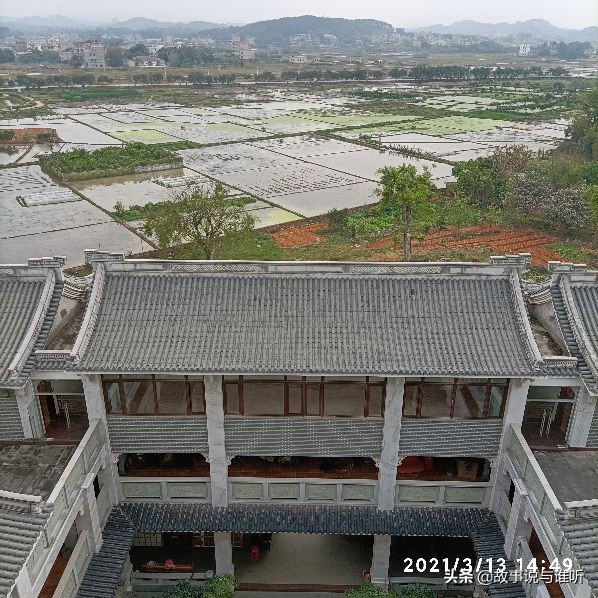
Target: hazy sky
pixel 407 13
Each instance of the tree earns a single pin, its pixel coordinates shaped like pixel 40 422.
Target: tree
pixel 403 190
pixel 200 214
pixel 6 55
pixel 137 50
pixel 583 131
pixel 114 56
pixel 476 180
pixel 76 61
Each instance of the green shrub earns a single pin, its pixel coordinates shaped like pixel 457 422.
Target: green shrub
pixel 121 159
pixel 369 590
pixel 417 591
pixel 6 134
pixel 338 219
pixel 221 586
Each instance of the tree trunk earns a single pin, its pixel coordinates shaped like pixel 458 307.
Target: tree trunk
pixel 407 233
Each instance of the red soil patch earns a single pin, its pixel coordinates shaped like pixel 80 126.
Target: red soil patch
pixel 497 238
pixel 31 135
pixel 299 236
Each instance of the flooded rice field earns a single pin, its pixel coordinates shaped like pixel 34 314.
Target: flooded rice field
pixel 293 156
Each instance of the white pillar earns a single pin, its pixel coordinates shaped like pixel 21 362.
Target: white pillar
pixel 25 396
pixel 96 410
pixel 223 550
pixel 90 516
pixel 389 458
pixel 513 415
pixel 583 590
pixel 583 414
pixel 216 440
pixel 23 584
pixel 517 527
pixel 94 397
pixel 380 560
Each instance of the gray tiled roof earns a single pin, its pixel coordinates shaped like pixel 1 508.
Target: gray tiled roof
pixel 558 300
pixel 488 543
pixel 582 536
pixel 19 531
pixel 309 519
pixel 20 298
pixel 105 568
pixel 11 427
pixel 308 322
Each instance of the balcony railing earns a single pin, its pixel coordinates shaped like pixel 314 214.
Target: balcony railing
pixel 314 490
pixel 75 568
pixel 305 490
pixel 183 489
pixel 541 496
pixel 65 498
pixel 410 492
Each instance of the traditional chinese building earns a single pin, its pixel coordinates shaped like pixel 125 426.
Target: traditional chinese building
pixel 168 420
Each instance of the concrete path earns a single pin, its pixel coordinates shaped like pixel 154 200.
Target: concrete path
pixel 308 559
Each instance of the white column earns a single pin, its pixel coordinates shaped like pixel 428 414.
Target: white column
pixel 517 526
pixel 223 550
pixel 380 560
pixel 513 415
pixel 90 516
pixel 23 584
pixel 96 410
pixel 94 397
pixel 389 458
pixel 25 396
pixel 583 414
pixel 583 590
pixel 216 440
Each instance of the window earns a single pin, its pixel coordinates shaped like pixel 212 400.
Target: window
pixel 139 395
pixel 263 396
pixel 375 394
pixel 411 399
pixel 436 398
pixel 112 396
pixel 455 399
pixel 197 394
pixel 171 395
pixel 470 400
pixel 154 395
pixel 344 398
pixel 231 388
pixel 307 395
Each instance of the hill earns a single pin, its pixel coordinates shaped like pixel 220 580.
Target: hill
pixel 536 28
pixel 278 30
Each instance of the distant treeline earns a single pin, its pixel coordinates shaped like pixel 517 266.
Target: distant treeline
pixel 420 73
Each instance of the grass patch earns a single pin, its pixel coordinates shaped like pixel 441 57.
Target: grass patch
pixel 575 252
pixel 86 94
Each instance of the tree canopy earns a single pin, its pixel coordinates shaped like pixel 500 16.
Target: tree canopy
pixel 402 190
pixel 584 128
pixel 201 214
